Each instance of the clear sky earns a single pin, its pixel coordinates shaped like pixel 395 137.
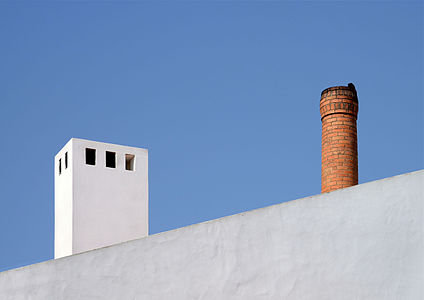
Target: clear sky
pixel 225 95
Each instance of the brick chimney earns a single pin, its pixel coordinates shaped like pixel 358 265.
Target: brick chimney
pixel 339 153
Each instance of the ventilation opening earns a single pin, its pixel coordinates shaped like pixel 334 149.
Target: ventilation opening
pixel 110 159
pixel 129 162
pixel 66 160
pixel 60 166
pixel 90 156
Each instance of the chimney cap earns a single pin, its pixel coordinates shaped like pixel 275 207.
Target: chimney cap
pixel 349 87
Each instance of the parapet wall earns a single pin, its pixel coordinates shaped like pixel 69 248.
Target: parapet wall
pixel 363 242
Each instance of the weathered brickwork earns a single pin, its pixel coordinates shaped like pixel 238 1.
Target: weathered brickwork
pixel 339 154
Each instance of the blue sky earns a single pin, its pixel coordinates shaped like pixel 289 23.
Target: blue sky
pixel 225 95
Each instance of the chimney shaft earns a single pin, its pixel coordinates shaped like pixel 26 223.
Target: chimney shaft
pixel 339 153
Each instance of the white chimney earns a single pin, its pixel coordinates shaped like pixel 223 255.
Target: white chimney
pixel 101 196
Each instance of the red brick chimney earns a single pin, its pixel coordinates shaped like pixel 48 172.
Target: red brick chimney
pixel 339 153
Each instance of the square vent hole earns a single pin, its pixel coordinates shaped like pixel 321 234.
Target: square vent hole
pixel 110 159
pixel 90 156
pixel 66 160
pixel 129 162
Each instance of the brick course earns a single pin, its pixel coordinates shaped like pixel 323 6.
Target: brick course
pixel 339 154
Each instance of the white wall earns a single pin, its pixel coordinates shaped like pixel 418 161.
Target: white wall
pixel 63 212
pixel 101 205
pixel 363 242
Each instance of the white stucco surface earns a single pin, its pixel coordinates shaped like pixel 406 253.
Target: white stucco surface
pixel 363 242
pixel 63 186
pixel 98 206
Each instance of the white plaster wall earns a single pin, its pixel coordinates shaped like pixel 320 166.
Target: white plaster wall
pixel 363 242
pixel 109 205
pixel 63 203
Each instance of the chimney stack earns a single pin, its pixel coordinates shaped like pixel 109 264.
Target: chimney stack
pixel 339 153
